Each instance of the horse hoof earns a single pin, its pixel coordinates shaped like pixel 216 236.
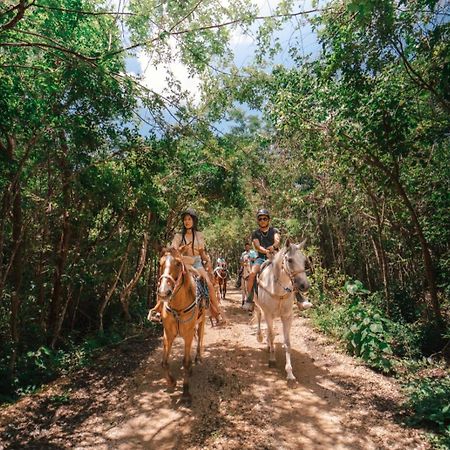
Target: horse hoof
pixel 292 382
pixel 259 337
pixel 272 364
pixel 186 398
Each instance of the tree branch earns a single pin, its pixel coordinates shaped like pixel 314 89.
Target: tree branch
pixel 21 7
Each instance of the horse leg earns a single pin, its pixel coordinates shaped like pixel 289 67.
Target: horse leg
pixel 200 335
pixel 287 322
pixel 187 366
pixel 244 290
pixel 270 339
pixel 168 341
pixel 259 335
pixel 224 289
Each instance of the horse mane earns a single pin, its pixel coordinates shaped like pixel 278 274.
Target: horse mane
pixel 277 260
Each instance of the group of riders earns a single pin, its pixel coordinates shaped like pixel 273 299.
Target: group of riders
pixel 190 242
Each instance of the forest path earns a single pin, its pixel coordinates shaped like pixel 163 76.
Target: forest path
pixel 238 401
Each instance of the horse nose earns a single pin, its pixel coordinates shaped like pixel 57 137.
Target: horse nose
pixel 164 291
pixel 303 286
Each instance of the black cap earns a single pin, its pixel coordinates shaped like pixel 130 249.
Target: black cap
pixel 263 212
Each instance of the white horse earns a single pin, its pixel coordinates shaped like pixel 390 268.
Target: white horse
pixel 277 284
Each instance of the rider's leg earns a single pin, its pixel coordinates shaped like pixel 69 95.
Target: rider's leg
pixel 248 305
pixel 214 302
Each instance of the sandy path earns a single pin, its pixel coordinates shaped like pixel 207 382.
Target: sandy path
pixel 238 402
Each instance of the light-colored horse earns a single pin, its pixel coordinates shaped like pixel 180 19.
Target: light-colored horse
pixel 181 314
pixel 277 284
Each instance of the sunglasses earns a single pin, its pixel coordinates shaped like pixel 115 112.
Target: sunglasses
pixel 263 219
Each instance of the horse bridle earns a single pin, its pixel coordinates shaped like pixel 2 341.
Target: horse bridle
pixel 176 284
pixel 290 274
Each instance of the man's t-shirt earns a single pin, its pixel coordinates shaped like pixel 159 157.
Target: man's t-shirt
pixel 265 238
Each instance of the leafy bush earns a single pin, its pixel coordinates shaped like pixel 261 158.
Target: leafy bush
pixel 368 336
pixel 361 325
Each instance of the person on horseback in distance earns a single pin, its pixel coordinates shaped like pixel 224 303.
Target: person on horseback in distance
pixel 191 244
pixel 266 240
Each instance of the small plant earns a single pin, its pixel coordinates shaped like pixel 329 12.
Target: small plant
pixel 60 399
pixel 367 336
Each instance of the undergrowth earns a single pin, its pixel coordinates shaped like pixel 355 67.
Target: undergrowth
pixel 38 366
pixel 357 319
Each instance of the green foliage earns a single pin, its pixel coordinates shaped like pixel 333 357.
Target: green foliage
pixel 44 364
pixel 429 406
pixel 367 336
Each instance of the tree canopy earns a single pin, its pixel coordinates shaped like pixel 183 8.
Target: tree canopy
pixel 347 146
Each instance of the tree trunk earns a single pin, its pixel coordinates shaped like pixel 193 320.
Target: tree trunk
pixel 16 273
pixel 63 248
pixel 426 254
pixel 378 245
pixel 111 290
pixel 126 292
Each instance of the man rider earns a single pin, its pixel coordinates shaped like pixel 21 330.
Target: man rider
pixel 266 240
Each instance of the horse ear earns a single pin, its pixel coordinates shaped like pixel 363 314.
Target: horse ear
pixel 301 245
pixel 162 250
pixel 288 243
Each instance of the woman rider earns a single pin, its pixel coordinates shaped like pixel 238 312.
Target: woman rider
pixel 191 244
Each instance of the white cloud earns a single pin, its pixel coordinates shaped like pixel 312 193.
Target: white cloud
pixel 156 76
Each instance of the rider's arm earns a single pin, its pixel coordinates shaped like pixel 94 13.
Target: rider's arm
pixel 276 241
pixel 259 248
pixel 205 257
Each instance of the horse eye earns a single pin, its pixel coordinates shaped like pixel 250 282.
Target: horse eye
pixel 290 260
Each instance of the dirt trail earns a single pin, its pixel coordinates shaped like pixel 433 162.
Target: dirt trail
pixel 238 402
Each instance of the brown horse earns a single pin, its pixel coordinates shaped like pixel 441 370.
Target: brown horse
pixel 220 277
pixel 182 315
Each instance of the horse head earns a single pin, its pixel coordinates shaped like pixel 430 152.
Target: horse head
pixel 172 269
pixel 294 262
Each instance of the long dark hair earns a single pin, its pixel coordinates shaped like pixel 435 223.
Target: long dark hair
pixel 194 228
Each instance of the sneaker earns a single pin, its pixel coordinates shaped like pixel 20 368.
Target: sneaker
pixel 248 306
pixel 154 316
pixel 304 305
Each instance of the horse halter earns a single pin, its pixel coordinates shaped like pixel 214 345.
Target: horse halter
pixel 290 273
